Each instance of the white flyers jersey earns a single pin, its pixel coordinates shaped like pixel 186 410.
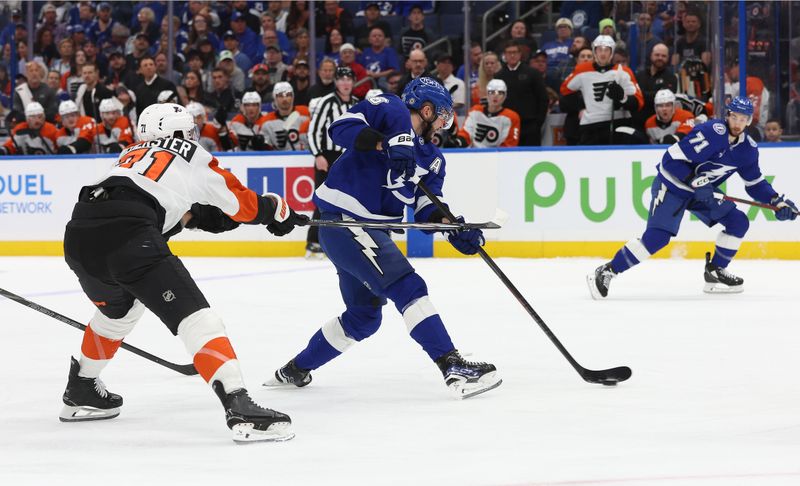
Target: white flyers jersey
pixel 290 133
pixel 484 130
pixel 592 85
pixel 84 128
pixel 178 173
pixel 682 123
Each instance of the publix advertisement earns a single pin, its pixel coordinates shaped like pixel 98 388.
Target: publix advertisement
pixel 552 197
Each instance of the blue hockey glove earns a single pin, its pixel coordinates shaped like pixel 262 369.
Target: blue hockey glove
pixel 704 194
pixel 467 242
pixel 401 154
pixel 787 210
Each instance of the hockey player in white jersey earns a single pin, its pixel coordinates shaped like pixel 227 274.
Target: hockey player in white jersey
pixel 492 125
pixel 116 243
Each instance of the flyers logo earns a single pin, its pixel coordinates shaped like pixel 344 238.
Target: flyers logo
pixel 599 90
pixel 486 132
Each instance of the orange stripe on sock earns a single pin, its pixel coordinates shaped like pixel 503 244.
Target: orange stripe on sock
pixel 214 354
pixel 95 346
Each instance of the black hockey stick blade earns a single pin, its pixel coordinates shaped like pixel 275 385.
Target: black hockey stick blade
pixel 404 225
pixel 609 377
pixel 187 369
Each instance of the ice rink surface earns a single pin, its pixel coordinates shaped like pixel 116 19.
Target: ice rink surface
pixel 714 398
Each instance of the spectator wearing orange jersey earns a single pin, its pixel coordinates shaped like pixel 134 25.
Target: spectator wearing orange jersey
pixel 34 136
pixel 77 132
pixel 286 128
pixel 670 123
pixel 114 133
pixel 246 126
pixel 211 136
pixel 491 125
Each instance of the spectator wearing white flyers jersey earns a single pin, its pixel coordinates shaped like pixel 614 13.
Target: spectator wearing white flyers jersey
pixel 491 125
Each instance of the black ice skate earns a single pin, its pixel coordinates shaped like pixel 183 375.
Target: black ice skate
pixel 465 378
pixel 721 281
pixel 87 398
pixel 314 251
pixel 251 422
pixel 290 375
pixel 600 280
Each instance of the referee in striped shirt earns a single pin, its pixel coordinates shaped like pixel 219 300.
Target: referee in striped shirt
pixel 323 111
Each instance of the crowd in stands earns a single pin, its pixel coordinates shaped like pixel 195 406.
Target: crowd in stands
pixel 243 68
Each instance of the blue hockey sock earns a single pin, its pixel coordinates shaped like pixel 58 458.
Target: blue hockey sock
pixel 638 250
pixel 426 327
pixel 327 343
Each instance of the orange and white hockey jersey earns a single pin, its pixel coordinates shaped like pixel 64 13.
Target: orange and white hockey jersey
pixel 178 173
pixel 289 133
pixel 84 128
pixel 592 85
pixel 682 123
pixel 26 141
pixel 244 132
pixel 209 138
pixel 109 139
pixel 484 130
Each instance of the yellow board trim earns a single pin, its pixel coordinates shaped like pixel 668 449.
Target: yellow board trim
pixel 781 250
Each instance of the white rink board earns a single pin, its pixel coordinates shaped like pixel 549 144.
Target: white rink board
pixel 549 194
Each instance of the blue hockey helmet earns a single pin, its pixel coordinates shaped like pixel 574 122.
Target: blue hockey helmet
pixel 741 104
pixel 427 90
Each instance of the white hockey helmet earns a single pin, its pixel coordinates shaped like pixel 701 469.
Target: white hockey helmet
pixel 33 109
pixel 373 92
pixel 110 104
pixel 604 41
pixel 251 97
pixel 196 109
pixel 497 85
pixel 163 120
pixel 66 107
pixel 663 96
pixel 280 88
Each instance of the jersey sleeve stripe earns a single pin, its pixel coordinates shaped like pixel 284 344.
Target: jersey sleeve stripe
pixel 248 200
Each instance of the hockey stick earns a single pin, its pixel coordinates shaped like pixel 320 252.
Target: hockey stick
pixel 405 225
pixel 754 203
pixel 609 377
pixel 187 369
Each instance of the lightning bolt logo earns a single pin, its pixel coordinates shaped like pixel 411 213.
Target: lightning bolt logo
pixel 659 198
pixel 368 246
pixel 717 171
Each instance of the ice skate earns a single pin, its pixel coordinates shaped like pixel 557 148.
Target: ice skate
pixel 249 421
pixel 290 375
pixel 314 252
pixel 600 280
pixel 720 281
pixel 87 398
pixel 466 378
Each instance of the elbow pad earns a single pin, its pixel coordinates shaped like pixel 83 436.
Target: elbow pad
pixel 368 139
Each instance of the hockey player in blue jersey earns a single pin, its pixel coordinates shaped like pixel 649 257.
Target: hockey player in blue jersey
pixel 388 152
pixel 688 179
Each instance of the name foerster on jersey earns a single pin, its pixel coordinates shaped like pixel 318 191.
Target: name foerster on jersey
pixel 176 145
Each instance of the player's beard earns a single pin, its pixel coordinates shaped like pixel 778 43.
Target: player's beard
pixel 428 132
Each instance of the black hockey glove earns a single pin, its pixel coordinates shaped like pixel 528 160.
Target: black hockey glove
pixel 615 91
pixel 669 139
pixel 258 142
pixel 65 149
pixel 221 117
pixel 787 211
pixel 284 218
pixel 211 219
pixel 466 241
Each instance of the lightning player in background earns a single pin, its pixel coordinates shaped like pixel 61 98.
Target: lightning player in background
pixel 116 243
pixel 688 179
pixel 388 153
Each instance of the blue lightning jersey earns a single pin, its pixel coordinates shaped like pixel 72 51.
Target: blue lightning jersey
pixel 362 184
pixel 706 151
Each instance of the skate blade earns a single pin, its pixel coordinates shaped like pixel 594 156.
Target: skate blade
pixel 85 414
pixel 463 390
pixel 593 290
pixel 277 432
pixel 314 255
pixel 718 288
pixel 275 383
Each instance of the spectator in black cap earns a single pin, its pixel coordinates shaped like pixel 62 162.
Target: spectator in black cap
pixel 278 71
pixel 101 29
pixel 141 48
pixel 416 36
pixel 239 9
pixel 372 15
pixel 119 72
pixel 261 83
pixel 231 43
pixel 539 62
pixel 527 94
pixel 78 35
pixel 444 72
pixel 300 81
pixel 96 57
